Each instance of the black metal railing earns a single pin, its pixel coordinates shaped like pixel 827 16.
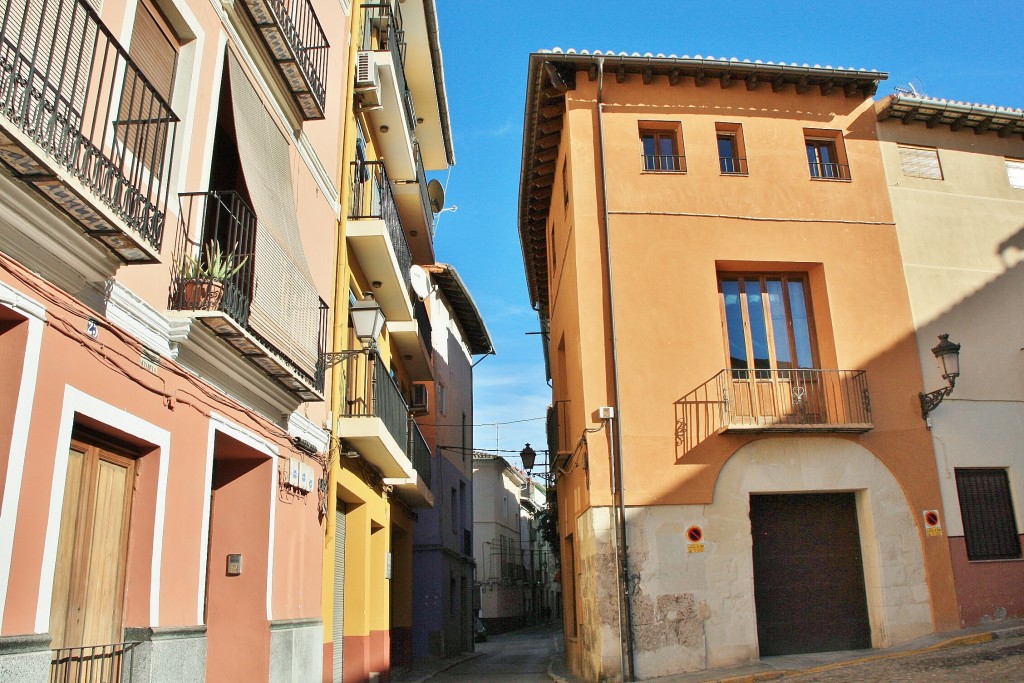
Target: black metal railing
pixel 382 31
pixel 421 180
pixel 664 162
pixel 220 225
pixel 372 197
pixel 305 42
pixel 557 432
pixel 824 171
pixel 733 165
pixel 94 664
pixel 419 452
pixel 774 400
pixel 371 391
pixel 419 311
pixel 68 85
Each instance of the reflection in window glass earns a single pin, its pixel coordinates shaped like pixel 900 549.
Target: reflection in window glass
pixel 758 329
pixel 734 325
pixel 780 331
pixel 801 325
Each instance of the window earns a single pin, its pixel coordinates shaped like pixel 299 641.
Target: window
pixel 565 186
pixel 986 508
pixel 920 162
pixel 455 511
pixel 768 323
pixel 1015 173
pixel 661 147
pixel 731 152
pixel 826 157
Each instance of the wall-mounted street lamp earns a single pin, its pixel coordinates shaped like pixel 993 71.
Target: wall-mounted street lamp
pixel 528 456
pixel 947 354
pixel 367 323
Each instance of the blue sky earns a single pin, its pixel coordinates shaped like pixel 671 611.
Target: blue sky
pixel 968 51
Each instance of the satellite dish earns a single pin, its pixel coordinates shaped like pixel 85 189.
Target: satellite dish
pixel 435 192
pixel 420 282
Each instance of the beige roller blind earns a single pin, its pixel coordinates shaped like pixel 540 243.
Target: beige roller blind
pixel 285 305
pixel 920 162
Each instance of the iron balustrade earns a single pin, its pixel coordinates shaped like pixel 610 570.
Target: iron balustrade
pixel 221 219
pixel 419 311
pixel 370 391
pixel 292 33
pixel 70 87
pixel 557 434
pixel 372 197
pixel 733 165
pixel 419 452
pixel 664 162
pixel 93 664
pixel 382 31
pixel 823 171
pixel 774 400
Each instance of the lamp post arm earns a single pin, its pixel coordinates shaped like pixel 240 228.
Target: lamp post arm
pixel 932 399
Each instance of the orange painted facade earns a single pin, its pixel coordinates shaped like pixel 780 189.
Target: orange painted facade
pixel 630 256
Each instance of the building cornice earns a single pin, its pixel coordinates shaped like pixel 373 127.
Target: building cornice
pixel 980 118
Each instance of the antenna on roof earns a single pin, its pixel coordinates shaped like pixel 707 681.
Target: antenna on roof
pixel 911 89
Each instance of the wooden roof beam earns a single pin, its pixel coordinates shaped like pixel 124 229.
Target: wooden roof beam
pixel 620 74
pixel 827 87
pixel 778 83
pixel 699 78
pixel 803 85
pixel 648 75
pixel 725 80
pixel 934 120
pixel 752 81
pixel 982 126
pixel 674 76
pixel 909 116
pixel 958 123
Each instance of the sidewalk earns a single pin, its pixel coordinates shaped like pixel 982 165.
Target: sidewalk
pixel 424 668
pixel 771 668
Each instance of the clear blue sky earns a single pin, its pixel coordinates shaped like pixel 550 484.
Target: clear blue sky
pixel 968 51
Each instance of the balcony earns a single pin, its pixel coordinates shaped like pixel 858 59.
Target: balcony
pixel 297 46
pixel 81 124
pixel 378 239
pixel 377 423
pixel 559 447
pixel 382 89
pixel 760 401
pixel 414 208
pixel 234 278
pixel 827 171
pixel 413 341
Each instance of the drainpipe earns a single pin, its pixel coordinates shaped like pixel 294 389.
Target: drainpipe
pixel 614 438
pixel 340 304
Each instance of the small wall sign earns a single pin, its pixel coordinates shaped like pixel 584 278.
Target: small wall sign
pixel 932 525
pixel 695 539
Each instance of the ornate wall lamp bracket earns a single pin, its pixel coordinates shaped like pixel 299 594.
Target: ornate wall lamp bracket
pixel 947 354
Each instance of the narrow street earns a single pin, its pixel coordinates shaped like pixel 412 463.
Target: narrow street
pixel 519 656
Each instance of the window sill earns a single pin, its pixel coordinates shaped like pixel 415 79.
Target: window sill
pixel 649 171
pixel 832 180
pixel 742 175
pixel 1007 559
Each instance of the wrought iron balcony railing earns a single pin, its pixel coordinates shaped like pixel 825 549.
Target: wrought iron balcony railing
pixel 733 165
pixel 77 100
pixel 419 311
pixel 557 429
pixel 298 46
pixel 419 453
pixel 222 260
pixel 803 400
pixel 382 31
pixel 823 171
pixel 372 197
pixel 94 664
pixel 664 162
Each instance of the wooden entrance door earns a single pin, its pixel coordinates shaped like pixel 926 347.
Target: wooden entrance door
pixel 89 576
pixel 808 574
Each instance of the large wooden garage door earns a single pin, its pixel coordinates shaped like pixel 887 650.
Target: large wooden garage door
pixel 808 574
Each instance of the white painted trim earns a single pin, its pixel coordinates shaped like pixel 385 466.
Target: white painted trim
pixel 302 426
pixel 134 315
pixel 35 314
pixel 78 402
pixel 219 423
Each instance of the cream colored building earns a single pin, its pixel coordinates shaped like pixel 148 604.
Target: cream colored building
pixel 956 180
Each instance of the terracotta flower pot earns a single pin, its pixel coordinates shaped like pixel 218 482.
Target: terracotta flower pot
pixel 202 294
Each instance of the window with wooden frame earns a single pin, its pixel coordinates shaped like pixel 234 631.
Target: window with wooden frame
pixel 920 162
pixel 732 156
pixel 986 508
pixel 768 323
pixel 826 154
pixel 89 578
pixel 1015 173
pixel 661 147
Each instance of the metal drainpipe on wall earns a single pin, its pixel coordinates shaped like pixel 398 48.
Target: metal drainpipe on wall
pixel 615 441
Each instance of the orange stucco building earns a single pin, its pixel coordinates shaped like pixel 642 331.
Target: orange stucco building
pixel 742 465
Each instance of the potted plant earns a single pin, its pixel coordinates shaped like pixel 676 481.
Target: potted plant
pixel 203 279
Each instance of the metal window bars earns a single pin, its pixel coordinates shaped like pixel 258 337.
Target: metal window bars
pixel 110 663
pixel 828 171
pixel 664 162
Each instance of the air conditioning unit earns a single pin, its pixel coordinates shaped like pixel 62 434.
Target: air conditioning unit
pixel 367 80
pixel 420 399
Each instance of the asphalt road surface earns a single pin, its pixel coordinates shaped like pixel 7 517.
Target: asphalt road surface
pixel 517 657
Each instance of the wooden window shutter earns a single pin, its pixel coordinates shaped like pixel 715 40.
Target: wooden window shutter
pixel 920 162
pixel 154 50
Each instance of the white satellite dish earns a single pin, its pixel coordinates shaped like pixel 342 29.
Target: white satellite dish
pixel 435 193
pixel 420 282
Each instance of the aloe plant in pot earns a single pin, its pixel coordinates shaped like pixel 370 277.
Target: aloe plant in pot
pixel 202 279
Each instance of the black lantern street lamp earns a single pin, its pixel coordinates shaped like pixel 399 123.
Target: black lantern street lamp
pixel 947 354
pixel 528 456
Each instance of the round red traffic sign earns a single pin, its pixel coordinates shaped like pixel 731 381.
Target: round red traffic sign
pixel 931 518
pixel 695 534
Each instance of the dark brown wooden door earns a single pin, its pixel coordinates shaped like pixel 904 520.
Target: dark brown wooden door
pixel 808 574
